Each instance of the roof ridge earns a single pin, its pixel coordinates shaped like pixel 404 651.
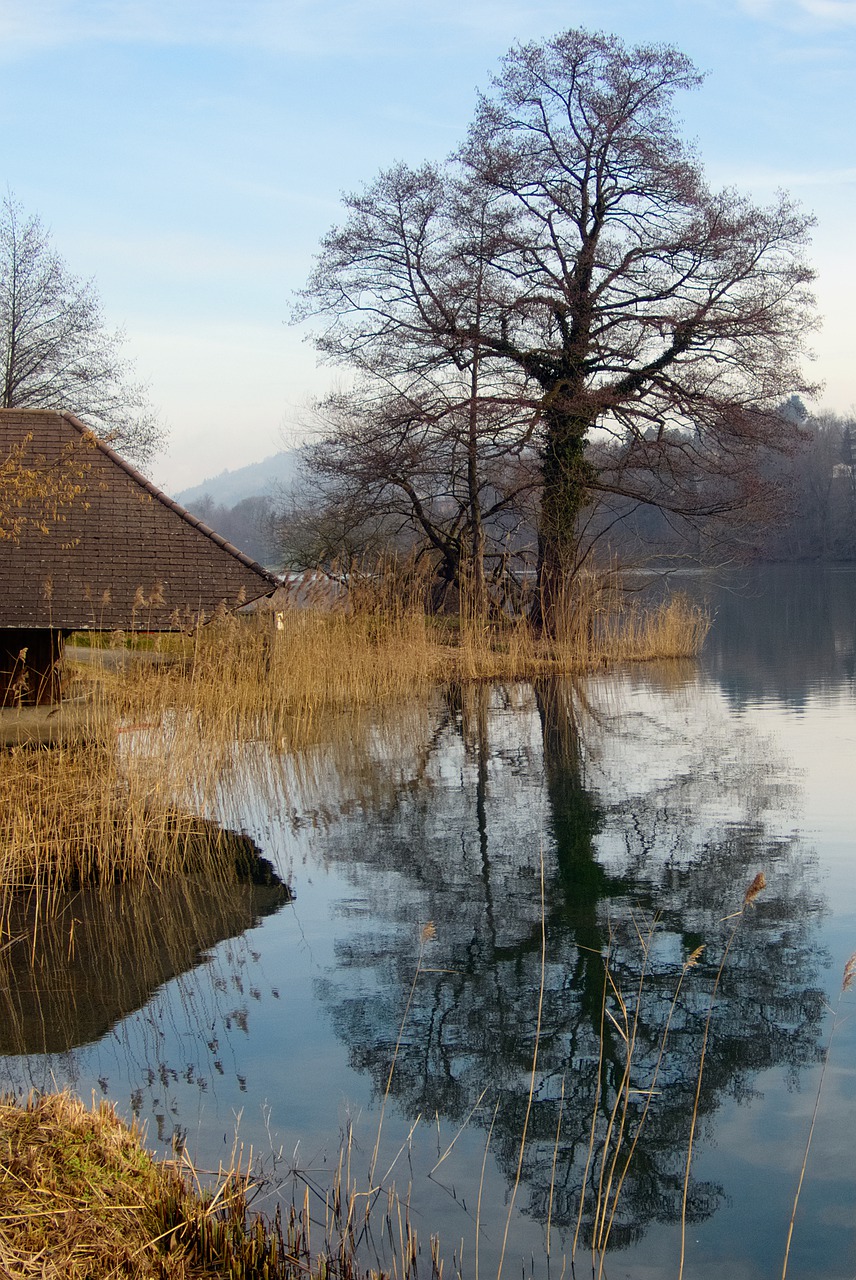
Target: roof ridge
pixel 164 498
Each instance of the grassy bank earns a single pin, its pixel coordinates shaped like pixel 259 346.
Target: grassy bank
pixel 81 1199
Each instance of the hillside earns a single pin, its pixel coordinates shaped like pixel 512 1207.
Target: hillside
pixel 255 480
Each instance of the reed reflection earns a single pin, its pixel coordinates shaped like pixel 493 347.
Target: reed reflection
pixel 67 979
pixel 648 843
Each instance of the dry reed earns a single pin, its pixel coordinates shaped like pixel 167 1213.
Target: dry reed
pixel 615 1133
pixel 758 884
pixel 148 735
pixel 847 978
pixel 81 1199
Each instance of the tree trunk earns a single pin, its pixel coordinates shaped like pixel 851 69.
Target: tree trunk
pixel 477 585
pixel 566 478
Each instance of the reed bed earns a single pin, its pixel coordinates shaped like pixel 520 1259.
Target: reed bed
pixel 82 1199
pixel 152 724
pixel 86 813
pixel 376 644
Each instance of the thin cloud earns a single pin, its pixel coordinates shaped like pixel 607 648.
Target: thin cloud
pixel 192 258
pixel 786 179
pixel 803 13
pixel 307 27
pixel 837 12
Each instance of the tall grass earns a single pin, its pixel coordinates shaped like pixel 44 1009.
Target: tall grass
pixel 377 642
pixel 147 735
pixel 282 668
pixel 89 814
pixel 81 1199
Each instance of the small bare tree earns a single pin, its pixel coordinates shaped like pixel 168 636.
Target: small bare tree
pixel 36 491
pixel 55 352
pixel 438 479
pixel 428 435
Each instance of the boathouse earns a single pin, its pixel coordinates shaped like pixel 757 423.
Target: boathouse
pixel 87 543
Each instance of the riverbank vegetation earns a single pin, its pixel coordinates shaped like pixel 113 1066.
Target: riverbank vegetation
pixel 82 1199
pixel 145 734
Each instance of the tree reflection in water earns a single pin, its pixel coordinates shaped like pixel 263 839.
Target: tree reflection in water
pixel 649 816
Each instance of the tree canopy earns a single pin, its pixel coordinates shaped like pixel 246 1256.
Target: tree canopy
pixel 571 260
pixel 55 350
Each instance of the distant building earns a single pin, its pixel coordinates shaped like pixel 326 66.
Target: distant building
pixel 115 554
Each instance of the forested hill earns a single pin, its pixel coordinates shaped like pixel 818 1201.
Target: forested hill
pixel 231 487
pixel 241 504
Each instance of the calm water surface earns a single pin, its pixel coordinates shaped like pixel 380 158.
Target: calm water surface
pixel 646 801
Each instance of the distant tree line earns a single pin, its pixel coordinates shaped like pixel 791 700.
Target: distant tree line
pixel 809 511
pixel 349 511
pixel 819 519
pixel 327 523
pixel 250 525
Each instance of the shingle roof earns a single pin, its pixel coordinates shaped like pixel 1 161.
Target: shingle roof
pixel 121 554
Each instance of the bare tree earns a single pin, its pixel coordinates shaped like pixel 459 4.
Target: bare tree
pixel 55 352
pixel 428 435
pixel 443 479
pixel 614 294
pixel 321 527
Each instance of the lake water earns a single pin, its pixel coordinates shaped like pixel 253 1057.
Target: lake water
pixel 462 872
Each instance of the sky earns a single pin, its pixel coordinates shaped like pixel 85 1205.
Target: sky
pixel 188 155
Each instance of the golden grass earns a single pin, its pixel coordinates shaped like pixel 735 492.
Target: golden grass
pixel 367 649
pixel 120 796
pixel 76 1193
pixel 279 677
pixel 81 1199
pixel 84 813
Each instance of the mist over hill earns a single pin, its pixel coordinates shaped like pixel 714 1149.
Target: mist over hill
pixel 255 480
pixel 240 504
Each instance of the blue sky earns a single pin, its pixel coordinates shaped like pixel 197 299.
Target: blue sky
pixel 189 156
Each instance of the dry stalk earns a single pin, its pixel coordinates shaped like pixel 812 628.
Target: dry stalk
pixel 553 1166
pixel 689 963
pixel 594 1114
pixel 758 884
pixel 846 982
pixel 428 934
pixel 519 1170
pixel 481 1188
